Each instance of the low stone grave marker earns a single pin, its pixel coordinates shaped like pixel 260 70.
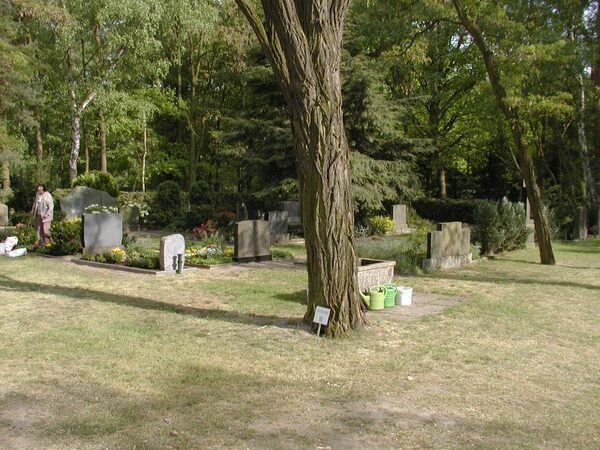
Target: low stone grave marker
pixel 170 247
pixel 101 232
pixel 449 246
pixel 252 241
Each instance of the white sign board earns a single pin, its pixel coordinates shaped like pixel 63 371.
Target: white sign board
pixel 321 315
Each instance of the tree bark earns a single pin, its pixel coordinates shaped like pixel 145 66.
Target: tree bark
pixel 590 192
pixel 303 43
pixel 596 80
pixel 145 151
pixel 527 167
pixel 102 141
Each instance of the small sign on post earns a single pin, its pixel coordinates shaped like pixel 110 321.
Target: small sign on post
pixel 321 317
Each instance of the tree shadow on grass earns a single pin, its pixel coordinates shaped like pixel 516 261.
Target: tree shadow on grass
pixel 504 280
pixel 76 293
pixel 535 263
pixel 293 297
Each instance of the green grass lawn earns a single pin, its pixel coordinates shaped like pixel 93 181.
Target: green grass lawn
pixel 92 358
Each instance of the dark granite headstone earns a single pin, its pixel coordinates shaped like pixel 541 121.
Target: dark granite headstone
pixel 293 209
pixel 252 241
pixel 278 226
pixel 75 202
pixel 131 218
pixel 102 232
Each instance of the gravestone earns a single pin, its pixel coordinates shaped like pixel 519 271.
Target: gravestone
pixel 101 232
pixel 171 246
pixel 241 211
pixel 580 230
pixel 3 215
pixel 74 203
pixel 399 216
pixel 131 218
pixel 293 209
pixel 252 241
pixel 278 226
pixel 449 246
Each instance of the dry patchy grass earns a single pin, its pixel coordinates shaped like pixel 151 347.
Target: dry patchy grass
pixel 92 358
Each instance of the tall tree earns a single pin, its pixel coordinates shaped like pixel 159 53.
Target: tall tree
pixel 303 43
pixel 515 121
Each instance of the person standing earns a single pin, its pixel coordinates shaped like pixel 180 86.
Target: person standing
pixel 43 213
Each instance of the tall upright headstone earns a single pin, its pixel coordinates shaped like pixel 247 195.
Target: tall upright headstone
pixel 252 241
pixel 170 247
pixel 278 226
pixel 399 216
pixel 3 215
pixel 293 209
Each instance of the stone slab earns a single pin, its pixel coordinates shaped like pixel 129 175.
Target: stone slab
pixel 252 240
pixel 171 246
pixel 399 216
pixel 74 203
pixel 372 272
pixel 450 239
pixel 101 232
pixel 278 226
pixel 447 262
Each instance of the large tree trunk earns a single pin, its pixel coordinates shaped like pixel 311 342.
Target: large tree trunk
pixel 586 167
pixel 75 137
pixel 145 151
pixel 527 167
pixel 303 43
pixel 596 80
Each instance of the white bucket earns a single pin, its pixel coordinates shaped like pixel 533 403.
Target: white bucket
pixel 406 296
pixel 399 295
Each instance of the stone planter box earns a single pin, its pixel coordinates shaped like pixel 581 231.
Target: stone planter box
pixel 372 272
pixel 101 232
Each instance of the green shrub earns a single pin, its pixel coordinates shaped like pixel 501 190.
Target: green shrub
pixel 66 237
pixel 142 258
pixel 446 210
pixel 27 237
pixel 380 224
pixel 200 194
pixel 6 195
pixel 101 181
pixel 499 226
pixel 21 217
pixel 166 204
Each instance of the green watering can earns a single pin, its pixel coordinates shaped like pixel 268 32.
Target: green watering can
pixel 375 299
pixel 390 295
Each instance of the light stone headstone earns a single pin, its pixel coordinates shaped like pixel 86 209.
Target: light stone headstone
pixel 171 246
pixel 74 203
pixel 252 241
pixel 3 215
pixel 449 246
pixel 278 226
pixel 101 232
pixel 580 227
pixel 399 216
